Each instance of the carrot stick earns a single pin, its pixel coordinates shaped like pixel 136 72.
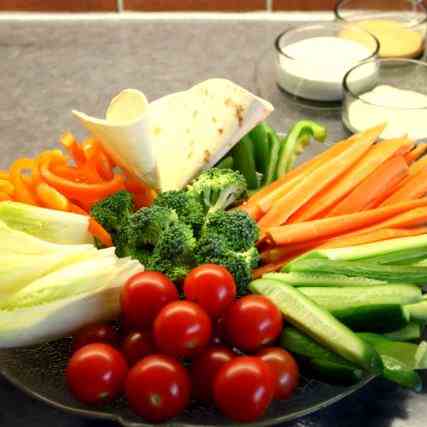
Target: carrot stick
pixel 373 236
pixel 98 231
pixel 268 194
pixel 373 188
pixel 339 188
pixel 305 190
pixel 296 175
pixel 334 226
pixel 416 153
pixel 414 188
pixel 268 268
pixel 279 252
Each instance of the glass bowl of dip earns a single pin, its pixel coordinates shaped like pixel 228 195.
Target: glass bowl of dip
pixel 311 61
pixel 396 95
pixel 399 25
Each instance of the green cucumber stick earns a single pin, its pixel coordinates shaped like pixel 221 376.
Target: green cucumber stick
pixel 244 161
pixel 274 144
pixel 259 136
pixel 297 138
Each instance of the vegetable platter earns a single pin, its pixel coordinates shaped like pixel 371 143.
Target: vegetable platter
pixel 136 291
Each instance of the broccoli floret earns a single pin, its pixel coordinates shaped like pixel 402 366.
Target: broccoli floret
pixel 114 211
pixel 219 189
pixel 175 271
pixel 176 244
pixel 215 249
pixel 187 206
pixel 237 227
pixel 147 225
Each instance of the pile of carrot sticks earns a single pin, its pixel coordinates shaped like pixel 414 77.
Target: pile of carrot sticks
pixel 361 190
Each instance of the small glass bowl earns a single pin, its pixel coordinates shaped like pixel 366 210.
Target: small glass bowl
pixel 402 116
pixel 399 25
pixel 319 78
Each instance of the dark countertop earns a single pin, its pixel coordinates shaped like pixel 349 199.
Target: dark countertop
pixel 48 68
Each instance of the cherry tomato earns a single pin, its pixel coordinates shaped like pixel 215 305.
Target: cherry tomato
pixel 212 287
pixel 158 388
pixel 219 334
pixel 95 333
pixel 96 373
pixel 243 388
pixel 144 295
pixel 285 370
pixel 137 345
pixel 252 322
pixel 204 369
pixel 181 329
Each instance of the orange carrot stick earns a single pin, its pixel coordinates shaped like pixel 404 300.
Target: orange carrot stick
pixel 414 188
pixel 373 189
pixel 98 231
pixel 339 188
pixel 268 268
pixel 295 176
pixel 416 153
pixel 373 236
pixel 268 194
pixel 305 190
pixel 337 225
pixel 280 252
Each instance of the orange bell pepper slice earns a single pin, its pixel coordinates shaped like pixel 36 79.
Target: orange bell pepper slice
pixel 4 175
pixel 52 198
pixel 5 196
pixel 6 187
pixel 79 190
pixel 74 148
pixel 23 191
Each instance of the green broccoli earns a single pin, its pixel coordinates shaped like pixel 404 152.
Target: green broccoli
pixel 175 271
pixel 215 249
pixel 219 189
pixel 188 207
pixel 237 227
pixel 147 224
pixel 176 243
pixel 114 211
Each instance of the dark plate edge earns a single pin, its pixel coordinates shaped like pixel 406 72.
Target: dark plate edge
pixel 117 418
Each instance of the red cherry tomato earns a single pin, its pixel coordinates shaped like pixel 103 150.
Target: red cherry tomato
pixel 243 388
pixel 204 369
pixel 96 373
pixel 252 322
pixel 137 345
pixel 219 334
pixel 95 333
pixel 212 287
pixel 181 329
pixel 158 388
pixel 144 295
pixel 285 370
